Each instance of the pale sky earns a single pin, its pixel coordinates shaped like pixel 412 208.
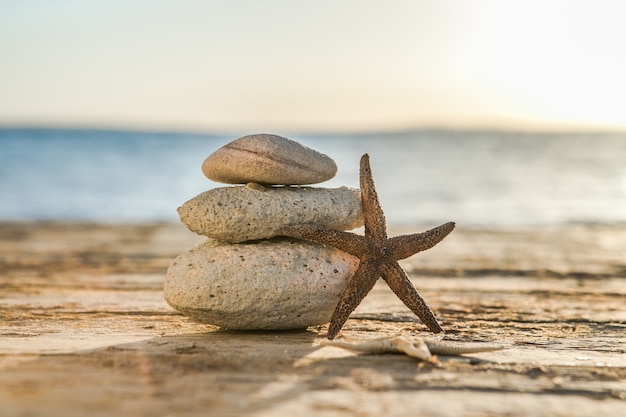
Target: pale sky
pixel 313 66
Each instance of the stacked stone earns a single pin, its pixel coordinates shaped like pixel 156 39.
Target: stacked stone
pixel 245 276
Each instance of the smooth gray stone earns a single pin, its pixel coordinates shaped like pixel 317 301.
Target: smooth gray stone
pixel 242 213
pixel 270 160
pixel 270 284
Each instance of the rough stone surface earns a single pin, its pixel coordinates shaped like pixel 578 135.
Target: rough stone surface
pixel 242 213
pixel 268 159
pixel 271 284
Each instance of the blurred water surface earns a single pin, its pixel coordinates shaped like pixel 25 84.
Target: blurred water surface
pixel 478 179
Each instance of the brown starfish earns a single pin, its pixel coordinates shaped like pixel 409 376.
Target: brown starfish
pixel 378 256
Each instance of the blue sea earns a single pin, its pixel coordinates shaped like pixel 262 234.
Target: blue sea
pixel 424 178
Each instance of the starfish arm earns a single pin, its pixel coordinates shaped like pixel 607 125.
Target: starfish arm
pixel 400 284
pixel 401 247
pixel 348 242
pixel 359 286
pixel 373 216
pixel 455 348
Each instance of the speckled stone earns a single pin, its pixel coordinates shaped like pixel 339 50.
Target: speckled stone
pixel 241 213
pixel 268 159
pixel 280 283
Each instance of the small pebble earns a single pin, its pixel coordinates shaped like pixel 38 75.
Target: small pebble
pixel 241 213
pixel 271 284
pixel 268 159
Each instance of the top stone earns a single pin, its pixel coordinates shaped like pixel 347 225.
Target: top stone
pixel 269 160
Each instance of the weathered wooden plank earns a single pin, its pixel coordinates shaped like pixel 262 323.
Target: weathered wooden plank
pixel 84 329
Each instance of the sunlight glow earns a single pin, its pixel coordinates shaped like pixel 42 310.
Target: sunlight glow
pixel 350 65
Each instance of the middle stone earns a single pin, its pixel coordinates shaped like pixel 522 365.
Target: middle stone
pixel 252 212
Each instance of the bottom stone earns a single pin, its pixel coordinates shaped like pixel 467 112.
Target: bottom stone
pixel 266 284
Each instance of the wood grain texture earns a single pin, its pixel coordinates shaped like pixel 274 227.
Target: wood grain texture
pixel 84 330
